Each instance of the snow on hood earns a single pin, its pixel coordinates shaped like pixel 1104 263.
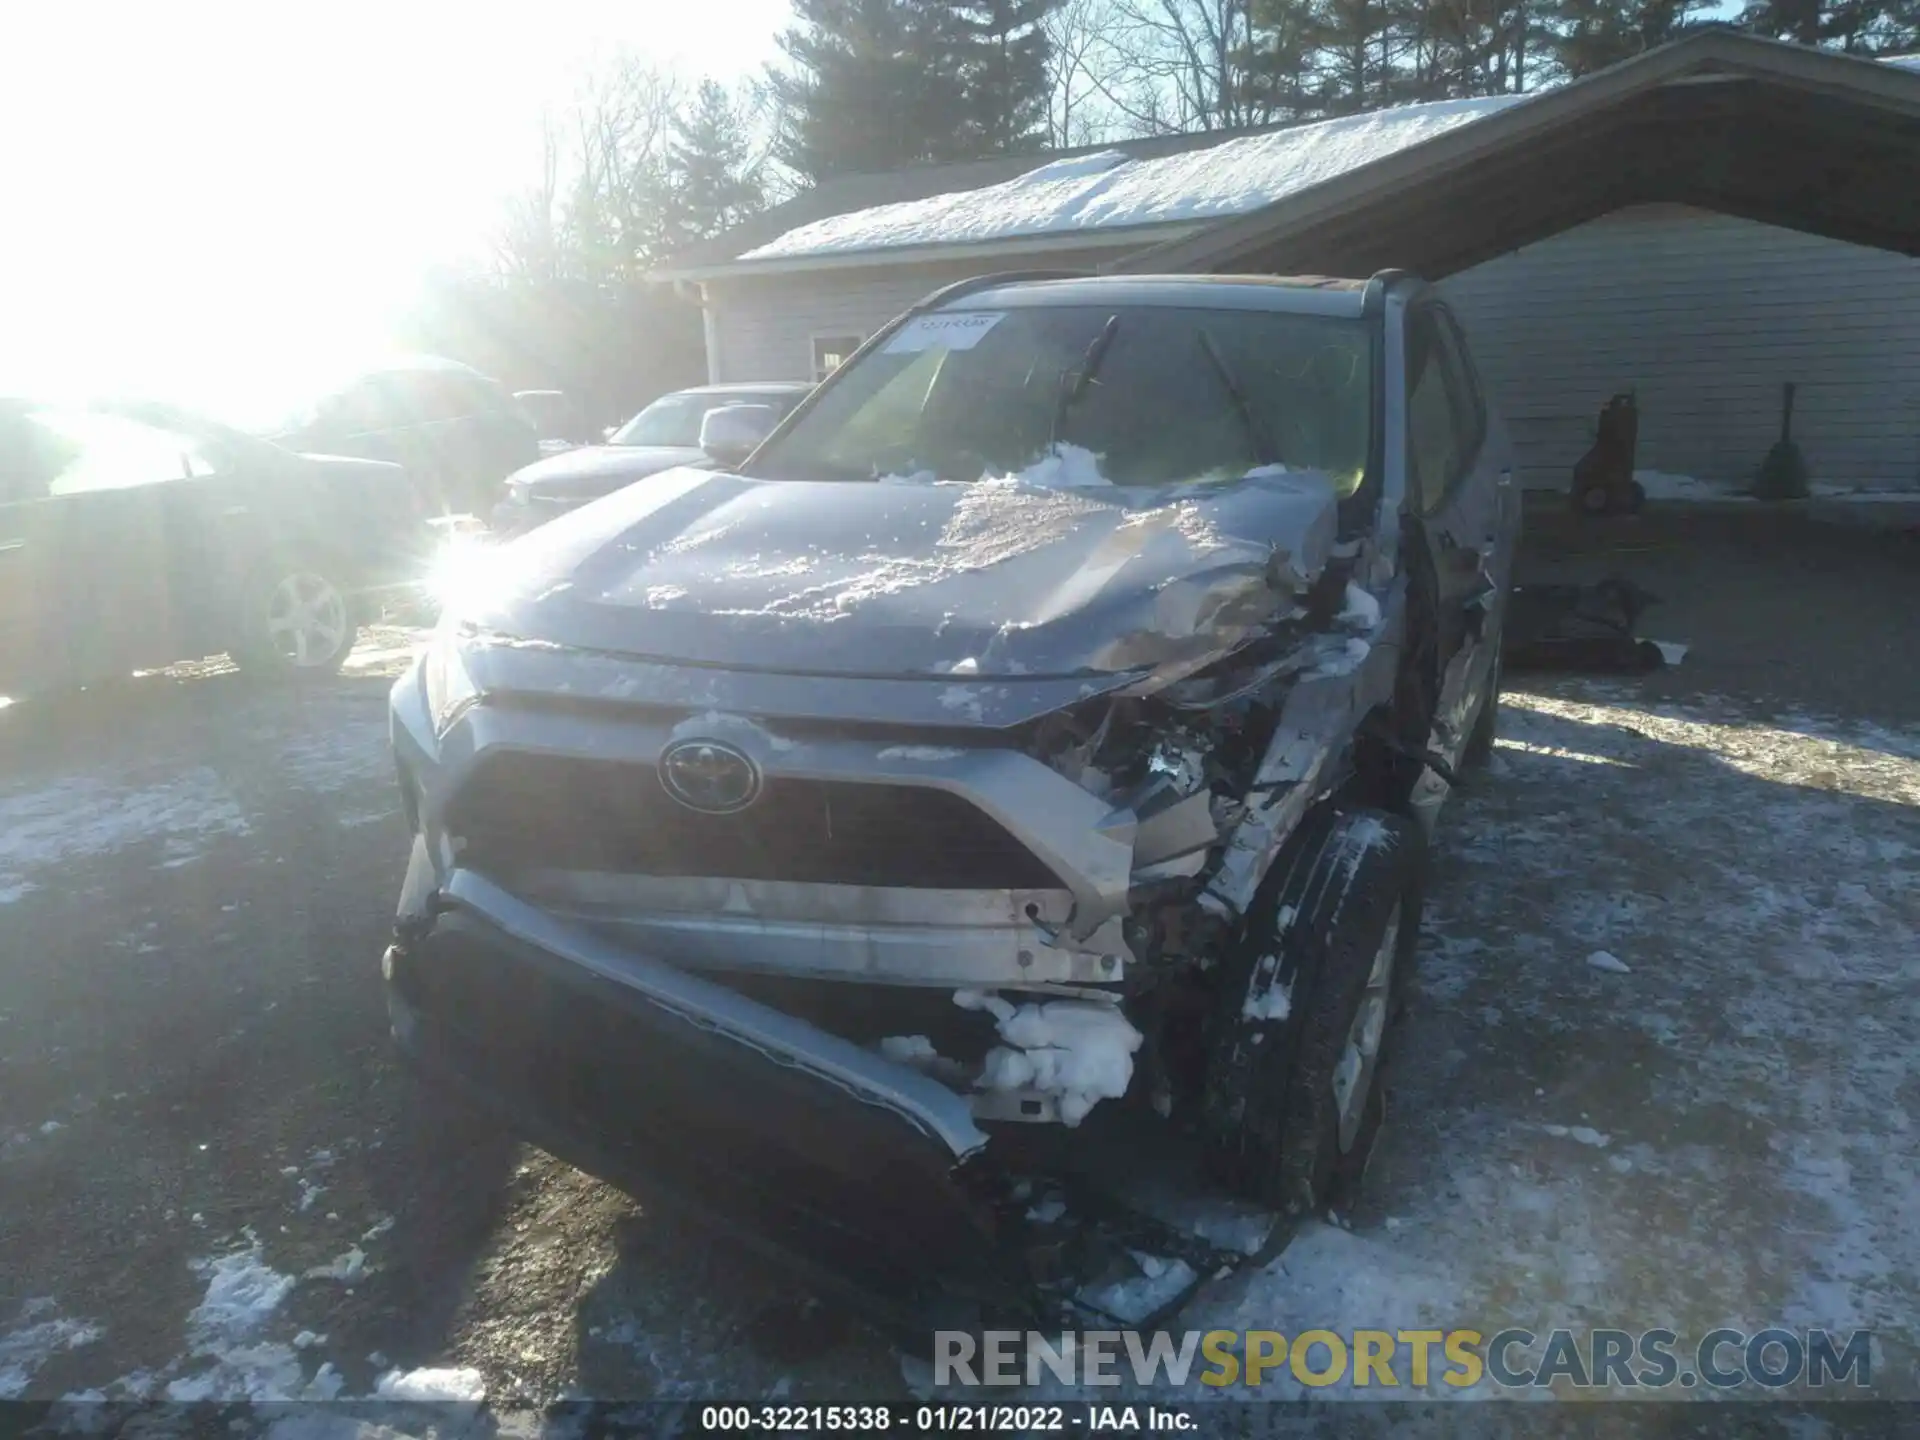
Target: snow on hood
pixel 996 578
pixel 593 470
pixel 1110 191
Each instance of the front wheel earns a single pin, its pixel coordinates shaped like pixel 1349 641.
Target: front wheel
pixel 295 622
pixel 1295 1093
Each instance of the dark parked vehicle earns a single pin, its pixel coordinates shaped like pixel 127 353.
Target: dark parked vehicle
pixel 557 419
pixel 136 536
pixel 1015 775
pixel 457 432
pixel 661 437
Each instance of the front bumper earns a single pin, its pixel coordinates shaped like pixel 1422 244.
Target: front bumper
pixel 659 1081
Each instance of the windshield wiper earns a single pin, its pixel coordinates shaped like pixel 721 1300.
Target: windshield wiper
pixel 1074 386
pixel 1263 446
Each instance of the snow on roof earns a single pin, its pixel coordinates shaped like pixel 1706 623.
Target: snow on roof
pixel 1109 190
pixel 1905 62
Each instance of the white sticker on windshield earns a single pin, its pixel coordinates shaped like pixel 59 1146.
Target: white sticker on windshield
pixel 958 331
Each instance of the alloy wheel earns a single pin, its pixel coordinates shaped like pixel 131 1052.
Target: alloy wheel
pixel 306 619
pixel 1353 1074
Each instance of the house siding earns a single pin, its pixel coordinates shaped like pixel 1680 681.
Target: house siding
pixel 1703 316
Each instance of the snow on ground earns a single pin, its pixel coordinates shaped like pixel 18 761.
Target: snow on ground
pixel 1101 192
pixel 1667 485
pixel 38 1334
pixel 1720 1135
pixel 1134 1299
pixel 1747 1077
pixel 442 1384
pixel 46 824
pixel 72 813
pixel 243 1293
pixel 352 747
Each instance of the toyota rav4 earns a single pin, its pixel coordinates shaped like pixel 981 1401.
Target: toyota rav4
pixel 1038 735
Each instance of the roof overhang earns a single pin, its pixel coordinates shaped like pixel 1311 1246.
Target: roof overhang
pixel 1760 129
pixel 1130 238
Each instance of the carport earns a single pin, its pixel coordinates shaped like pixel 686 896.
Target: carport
pixel 1776 133
pixel 1519 214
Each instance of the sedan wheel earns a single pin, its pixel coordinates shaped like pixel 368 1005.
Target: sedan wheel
pixel 296 622
pixel 307 620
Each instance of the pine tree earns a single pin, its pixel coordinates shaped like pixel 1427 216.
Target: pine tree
pixel 1000 52
pixel 1357 48
pixel 1474 47
pixel 1277 68
pixel 872 87
pixel 1865 27
pixel 713 180
pixel 1590 35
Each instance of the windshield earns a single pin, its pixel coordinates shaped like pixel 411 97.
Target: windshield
pixel 675 419
pixel 1144 395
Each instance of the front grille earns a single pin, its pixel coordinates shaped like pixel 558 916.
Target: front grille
pixel 526 812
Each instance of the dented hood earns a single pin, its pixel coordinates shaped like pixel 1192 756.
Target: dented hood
pixel 998 577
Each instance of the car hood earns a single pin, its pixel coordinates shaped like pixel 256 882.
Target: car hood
pixel 590 471
pixel 999 577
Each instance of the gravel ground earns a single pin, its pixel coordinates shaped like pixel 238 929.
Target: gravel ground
pixel 214 1182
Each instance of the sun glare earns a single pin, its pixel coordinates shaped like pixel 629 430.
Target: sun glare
pixel 231 202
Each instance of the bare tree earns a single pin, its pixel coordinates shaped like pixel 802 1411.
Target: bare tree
pixel 622 121
pixel 1079 54
pixel 1175 65
pixel 599 211
pixel 530 244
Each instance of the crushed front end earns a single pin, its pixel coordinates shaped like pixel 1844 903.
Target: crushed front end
pixel 827 949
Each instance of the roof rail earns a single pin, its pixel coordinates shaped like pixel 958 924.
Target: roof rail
pixel 988 282
pixel 1381 281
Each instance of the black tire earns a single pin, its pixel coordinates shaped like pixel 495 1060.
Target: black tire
pixel 1479 747
pixel 262 648
pixel 1271 1112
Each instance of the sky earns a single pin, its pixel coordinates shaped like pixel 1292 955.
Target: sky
pixel 214 202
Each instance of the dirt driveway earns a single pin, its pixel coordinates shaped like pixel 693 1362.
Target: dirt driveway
pixel 213 1182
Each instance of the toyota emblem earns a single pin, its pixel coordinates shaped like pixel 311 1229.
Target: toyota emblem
pixel 709 775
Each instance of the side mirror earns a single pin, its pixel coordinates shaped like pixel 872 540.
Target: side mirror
pixel 730 435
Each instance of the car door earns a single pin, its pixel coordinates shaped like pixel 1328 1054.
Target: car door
pixel 20 652
pixel 1461 473
pixel 29 655
pixel 107 538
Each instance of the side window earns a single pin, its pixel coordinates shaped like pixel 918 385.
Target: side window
pixel 830 352
pixel 891 417
pixel 1433 443
pixel 430 396
pixel 1470 410
pixel 104 452
pixel 365 406
pixel 1446 421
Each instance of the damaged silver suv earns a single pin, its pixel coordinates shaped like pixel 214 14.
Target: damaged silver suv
pixel 1032 745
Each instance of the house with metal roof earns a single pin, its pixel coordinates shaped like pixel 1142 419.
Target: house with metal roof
pixel 1702 226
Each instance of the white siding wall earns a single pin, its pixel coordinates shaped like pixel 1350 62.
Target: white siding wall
pixel 765 327
pixel 1705 317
